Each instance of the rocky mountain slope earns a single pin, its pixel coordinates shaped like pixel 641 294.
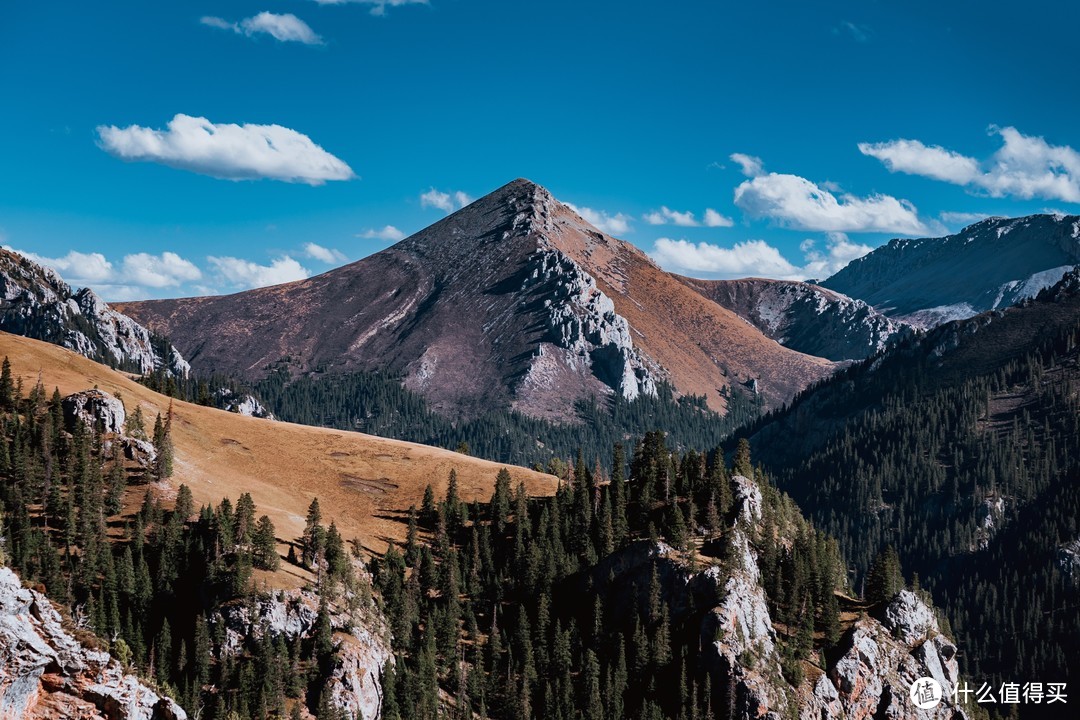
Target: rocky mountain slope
pixel 47 674
pixel 512 302
pixel 882 650
pixel 37 303
pixel 989 265
pixel 805 317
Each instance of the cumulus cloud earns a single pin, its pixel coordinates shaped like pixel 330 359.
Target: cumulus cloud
pixel 447 202
pixel 158 271
pixel 798 203
pixel 286 27
pixel 747 258
pixel 324 254
pixel 378 7
pixel 617 224
pixel 241 273
pixel 1025 166
pixel 715 219
pixel 227 150
pixel 388 233
pixel 751 166
pixel 756 258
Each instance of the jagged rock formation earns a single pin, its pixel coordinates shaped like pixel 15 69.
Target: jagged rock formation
pixel 37 303
pixel 806 317
pixel 868 675
pixel 46 674
pixel 362 638
pixel 512 302
pixel 992 264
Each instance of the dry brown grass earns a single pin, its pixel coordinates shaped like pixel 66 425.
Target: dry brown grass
pixel 364 483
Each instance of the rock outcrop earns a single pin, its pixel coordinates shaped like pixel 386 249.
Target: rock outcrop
pixel 361 638
pixel 46 674
pixel 96 409
pixel 242 403
pixel 37 303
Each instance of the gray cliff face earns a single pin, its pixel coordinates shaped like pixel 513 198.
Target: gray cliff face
pixel 582 322
pixel 361 637
pixel 806 317
pixel 45 674
pixel 37 303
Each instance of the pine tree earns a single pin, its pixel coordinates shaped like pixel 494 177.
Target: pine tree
pixel 885 578
pixel 265 545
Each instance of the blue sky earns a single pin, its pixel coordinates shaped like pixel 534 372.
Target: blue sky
pixel 156 149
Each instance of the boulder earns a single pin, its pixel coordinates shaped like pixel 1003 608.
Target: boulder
pixel 96 409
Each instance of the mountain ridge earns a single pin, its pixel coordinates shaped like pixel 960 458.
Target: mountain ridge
pixel 988 265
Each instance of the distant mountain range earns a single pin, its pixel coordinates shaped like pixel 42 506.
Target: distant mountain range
pixel 989 265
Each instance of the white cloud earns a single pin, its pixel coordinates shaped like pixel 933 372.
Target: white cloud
pixel 1025 166
pixel 158 271
pixel 756 258
pixel 323 254
pixel 378 7
pixel 123 281
pixel 617 224
pixel 750 257
pixel 388 233
pixel 912 157
pixel 447 202
pixel 666 216
pixel 227 150
pixel 751 166
pixel 286 27
pixel 715 219
pixel 246 274
pixel 798 203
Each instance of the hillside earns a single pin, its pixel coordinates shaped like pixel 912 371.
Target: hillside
pixel 364 482
pixel 958 448
pixel 805 317
pixel 989 265
pixel 513 302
